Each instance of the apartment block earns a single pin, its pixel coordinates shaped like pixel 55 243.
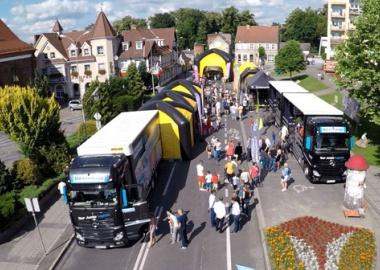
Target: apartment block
pixel 340 21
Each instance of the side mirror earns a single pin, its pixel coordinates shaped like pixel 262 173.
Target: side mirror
pixel 352 142
pixel 307 142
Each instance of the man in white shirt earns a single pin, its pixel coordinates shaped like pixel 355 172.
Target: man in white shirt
pixel 217 107
pixel 218 148
pixel 174 222
pixel 200 175
pixel 245 176
pixel 235 212
pixel 220 214
pixel 233 112
pixel 211 203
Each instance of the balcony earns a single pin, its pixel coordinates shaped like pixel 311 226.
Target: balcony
pixel 337 28
pixel 337 14
pixel 336 40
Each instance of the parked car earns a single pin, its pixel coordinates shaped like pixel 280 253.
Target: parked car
pixel 75 104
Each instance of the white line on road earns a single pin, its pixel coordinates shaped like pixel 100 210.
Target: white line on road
pixel 170 178
pixel 228 241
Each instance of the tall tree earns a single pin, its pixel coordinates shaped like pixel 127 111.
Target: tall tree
pixel 213 22
pixel 162 20
pixel 40 84
pixel 247 18
pixel 359 60
pixel 126 22
pixel 290 58
pixel 231 20
pixel 135 86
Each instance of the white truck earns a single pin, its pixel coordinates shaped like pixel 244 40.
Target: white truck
pixel 110 179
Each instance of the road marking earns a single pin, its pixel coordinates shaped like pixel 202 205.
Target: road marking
pixel 301 188
pixel 228 241
pixel 226 192
pixel 170 178
pixel 143 250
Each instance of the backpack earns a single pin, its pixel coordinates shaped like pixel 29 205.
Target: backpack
pixel 289 171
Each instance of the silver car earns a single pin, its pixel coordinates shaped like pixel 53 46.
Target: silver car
pixel 75 104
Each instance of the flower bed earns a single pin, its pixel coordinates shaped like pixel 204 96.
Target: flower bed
pixel 312 243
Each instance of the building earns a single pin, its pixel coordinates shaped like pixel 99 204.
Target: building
pixel 17 61
pixel 158 48
pixel 250 38
pixel 71 61
pixel 341 15
pixel 219 41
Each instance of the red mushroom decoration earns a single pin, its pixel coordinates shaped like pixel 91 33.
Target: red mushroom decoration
pixel 358 163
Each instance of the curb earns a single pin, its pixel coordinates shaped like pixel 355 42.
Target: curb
pixel 63 251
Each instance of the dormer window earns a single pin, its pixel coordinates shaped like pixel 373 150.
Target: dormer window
pixel 125 46
pixel 73 53
pixel 139 45
pixel 86 52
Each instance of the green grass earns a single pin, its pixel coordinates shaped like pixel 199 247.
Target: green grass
pixel 311 84
pixel 330 98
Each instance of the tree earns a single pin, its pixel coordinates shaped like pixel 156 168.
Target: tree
pixel 126 22
pixel 162 20
pixel 290 58
pixel 261 51
pixel 246 18
pixel 135 86
pixel 7 182
pixel 145 76
pixel 231 20
pixel 213 22
pixel 359 61
pixel 40 84
pixel 89 27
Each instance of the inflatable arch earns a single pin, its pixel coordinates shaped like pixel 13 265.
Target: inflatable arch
pixel 181 104
pixel 248 72
pixel 175 130
pixel 213 60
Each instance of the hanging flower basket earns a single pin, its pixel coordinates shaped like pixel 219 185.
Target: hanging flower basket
pixel 74 73
pixel 102 71
pixel 87 72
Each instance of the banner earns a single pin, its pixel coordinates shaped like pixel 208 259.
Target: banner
pixel 255 143
pixel 196 73
pixel 228 68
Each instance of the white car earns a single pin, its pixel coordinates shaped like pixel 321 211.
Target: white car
pixel 75 104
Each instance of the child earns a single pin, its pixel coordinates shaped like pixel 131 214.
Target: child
pixel 208 179
pixel 215 181
pixel 209 150
pixel 235 181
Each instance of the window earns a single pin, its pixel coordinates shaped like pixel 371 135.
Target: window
pixel 52 55
pixel 100 50
pixel 124 64
pixel 125 46
pixel 239 57
pixel 139 45
pixel 73 53
pixel 101 66
pixel 86 52
pixel 59 91
pixel 270 57
pixel 74 68
pixel 251 46
pixel 45 56
pixel 267 46
pixel 251 58
pixel 245 58
pixel 273 47
pixel 87 67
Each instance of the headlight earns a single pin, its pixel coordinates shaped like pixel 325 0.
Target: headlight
pixel 79 236
pixel 119 236
pixel 315 173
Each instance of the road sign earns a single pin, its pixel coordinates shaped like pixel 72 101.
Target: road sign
pixel 32 205
pixel 97 116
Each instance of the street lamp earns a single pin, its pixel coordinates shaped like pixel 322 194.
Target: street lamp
pixel 77 49
pixel 95 95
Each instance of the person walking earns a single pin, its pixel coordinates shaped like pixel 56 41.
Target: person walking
pixel 217 149
pixel 246 198
pixel 235 181
pixel 213 141
pixel 244 175
pixel 238 152
pixel 273 137
pixel 215 181
pixel 209 150
pixel 285 175
pixel 182 226
pixel 251 121
pixel 272 159
pixel 217 108
pixel 278 157
pixel 229 168
pixel 211 203
pixel 249 149
pixel 254 174
pixel 174 221
pixel 240 111
pixel 152 229
pixel 220 214
pixel 233 111
pixel 230 149
pixel 201 175
pixel 235 212
pixel 208 179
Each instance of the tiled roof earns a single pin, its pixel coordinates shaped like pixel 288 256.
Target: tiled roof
pixel 149 35
pixel 10 43
pixel 102 27
pixel 257 34
pixel 225 37
pixel 57 28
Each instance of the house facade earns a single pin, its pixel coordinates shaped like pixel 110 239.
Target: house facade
pixel 17 61
pixel 341 15
pixel 250 38
pixel 71 61
pixel 219 41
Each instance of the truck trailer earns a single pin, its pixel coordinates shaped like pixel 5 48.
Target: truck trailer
pixel 110 179
pixel 319 137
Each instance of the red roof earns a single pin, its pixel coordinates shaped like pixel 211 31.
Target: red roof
pixel 10 43
pixel 258 34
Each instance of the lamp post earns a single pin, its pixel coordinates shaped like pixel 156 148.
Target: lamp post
pixel 77 50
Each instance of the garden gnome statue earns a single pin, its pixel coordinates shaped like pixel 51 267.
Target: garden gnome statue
pixel 354 191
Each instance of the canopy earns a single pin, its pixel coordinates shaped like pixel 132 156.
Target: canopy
pixel 248 72
pixel 260 80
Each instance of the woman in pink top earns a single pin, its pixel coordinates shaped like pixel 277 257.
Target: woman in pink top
pixel 230 150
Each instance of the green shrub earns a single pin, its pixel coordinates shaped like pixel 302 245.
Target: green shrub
pixel 128 103
pixel 34 191
pixel 6 179
pixel 90 128
pixel 52 159
pixel 7 205
pixel 26 170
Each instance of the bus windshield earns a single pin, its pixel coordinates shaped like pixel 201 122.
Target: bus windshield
pixel 93 198
pixel 332 142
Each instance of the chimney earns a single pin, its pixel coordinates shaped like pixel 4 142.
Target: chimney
pixel 248 26
pixel 133 27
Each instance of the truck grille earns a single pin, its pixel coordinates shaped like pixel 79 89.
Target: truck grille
pixel 97 229
pixel 331 167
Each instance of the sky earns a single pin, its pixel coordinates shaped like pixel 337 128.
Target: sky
pixel 27 18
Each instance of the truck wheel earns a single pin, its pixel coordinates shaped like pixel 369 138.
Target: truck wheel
pixel 307 172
